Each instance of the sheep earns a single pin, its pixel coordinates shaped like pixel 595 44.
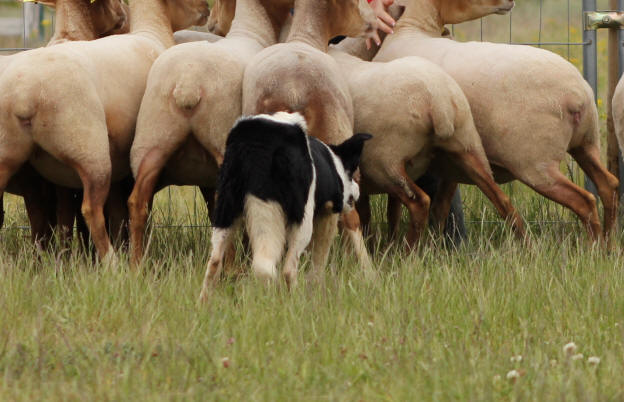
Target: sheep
pixel 392 101
pixel 529 105
pixel 617 108
pixel 299 76
pixel 75 120
pixel 415 112
pixel 193 98
pixel 76 20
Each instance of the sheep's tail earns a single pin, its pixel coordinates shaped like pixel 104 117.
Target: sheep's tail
pixel 580 112
pixel 187 92
pixel 21 97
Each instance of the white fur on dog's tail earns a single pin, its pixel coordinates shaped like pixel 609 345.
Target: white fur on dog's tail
pixel 266 226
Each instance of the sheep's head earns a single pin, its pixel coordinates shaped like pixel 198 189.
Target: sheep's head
pixel 353 18
pixel 456 11
pixel 184 13
pixel 109 17
pixel 349 154
pixel 221 16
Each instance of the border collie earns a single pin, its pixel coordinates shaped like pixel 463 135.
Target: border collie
pixel 275 177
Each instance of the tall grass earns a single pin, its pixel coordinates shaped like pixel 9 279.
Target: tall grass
pixel 437 324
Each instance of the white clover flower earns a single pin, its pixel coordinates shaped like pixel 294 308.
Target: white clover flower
pixel 496 378
pixel 593 360
pixel 569 348
pixel 578 356
pixel 515 359
pixel 513 375
pixel 370 324
pixel 553 363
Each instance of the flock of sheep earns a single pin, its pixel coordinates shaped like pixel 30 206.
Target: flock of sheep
pixel 87 113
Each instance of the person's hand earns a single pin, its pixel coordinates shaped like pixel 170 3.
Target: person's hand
pixel 385 21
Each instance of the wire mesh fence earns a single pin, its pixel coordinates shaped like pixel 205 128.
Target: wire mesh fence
pixel 556 25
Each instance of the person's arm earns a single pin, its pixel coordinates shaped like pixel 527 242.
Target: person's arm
pixel 385 20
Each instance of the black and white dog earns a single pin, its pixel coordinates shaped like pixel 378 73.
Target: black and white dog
pixel 276 177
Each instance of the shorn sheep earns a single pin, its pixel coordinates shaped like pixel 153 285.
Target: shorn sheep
pixel 75 20
pixel 415 113
pixel 75 119
pixel 414 110
pixel 274 176
pixel 299 76
pixel 193 98
pixel 530 106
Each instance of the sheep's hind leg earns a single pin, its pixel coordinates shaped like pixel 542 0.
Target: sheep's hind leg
pixel 67 206
pixel 222 238
pixel 40 202
pixel 209 198
pixel 95 187
pixel 325 229
pixel 393 216
pixel 476 169
pixel 417 203
pixel 561 190
pixel 364 210
pixel 351 224
pixel 588 157
pixel 143 191
pixel 441 205
pixel 117 215
pixel 298 239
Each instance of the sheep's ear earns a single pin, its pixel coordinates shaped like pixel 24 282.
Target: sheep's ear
pixel 396 10
pixel 350 151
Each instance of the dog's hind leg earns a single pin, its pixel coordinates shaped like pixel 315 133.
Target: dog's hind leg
pixel 222 238
pixel 266 227
pixel 298 239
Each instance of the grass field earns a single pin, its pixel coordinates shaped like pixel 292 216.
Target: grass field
pixel 440 324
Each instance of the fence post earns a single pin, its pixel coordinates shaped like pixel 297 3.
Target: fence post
pixel 590 71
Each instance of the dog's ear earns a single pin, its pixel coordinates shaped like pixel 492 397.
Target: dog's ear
pixel 350 151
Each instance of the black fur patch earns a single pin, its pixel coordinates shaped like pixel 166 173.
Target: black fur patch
pixel 329 186
pixel 269 160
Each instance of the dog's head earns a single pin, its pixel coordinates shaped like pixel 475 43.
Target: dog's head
pixel 349 153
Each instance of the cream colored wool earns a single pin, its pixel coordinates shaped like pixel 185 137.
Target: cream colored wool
pixel 75 119
pixel 414 110
pixel 192 100
pixel 75 20
pixel 530 106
